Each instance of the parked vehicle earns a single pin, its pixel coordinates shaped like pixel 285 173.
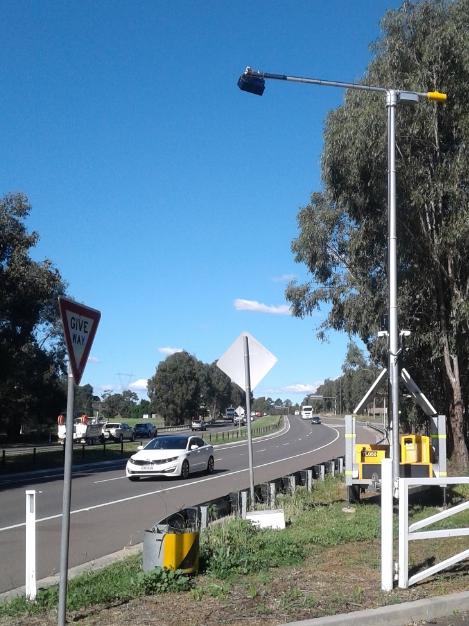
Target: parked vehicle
pixel 239 420
pixel 118 431
pixel 171 455
pixel 145 429
pixel 84 430
pixel 198 424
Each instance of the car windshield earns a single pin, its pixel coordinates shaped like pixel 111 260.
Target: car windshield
pixel 167 443
pixel 109 425
pixel 140 425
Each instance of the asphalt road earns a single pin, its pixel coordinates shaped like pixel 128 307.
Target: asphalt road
pixel 108 512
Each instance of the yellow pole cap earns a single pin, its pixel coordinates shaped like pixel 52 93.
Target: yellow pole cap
pixel 437 96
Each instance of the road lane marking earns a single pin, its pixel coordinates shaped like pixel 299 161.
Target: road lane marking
pixel 173 488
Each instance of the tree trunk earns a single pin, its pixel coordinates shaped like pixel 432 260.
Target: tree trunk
pixel 460 454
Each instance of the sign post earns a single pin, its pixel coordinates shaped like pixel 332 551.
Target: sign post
pixel 79 323
pixel 246 362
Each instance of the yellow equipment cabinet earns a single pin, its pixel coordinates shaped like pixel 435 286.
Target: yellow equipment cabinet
pixel 414 460
pixel 368 457
pixel 415 456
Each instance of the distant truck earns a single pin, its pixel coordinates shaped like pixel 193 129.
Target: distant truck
pixel 231 413
pixel 306 412
pixel 84 430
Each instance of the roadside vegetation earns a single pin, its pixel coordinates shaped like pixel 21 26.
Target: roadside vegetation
pixel 326 561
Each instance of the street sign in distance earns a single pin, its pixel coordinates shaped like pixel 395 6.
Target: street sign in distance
pixel 80 324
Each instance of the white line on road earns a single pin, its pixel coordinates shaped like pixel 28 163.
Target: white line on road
pixel 173 488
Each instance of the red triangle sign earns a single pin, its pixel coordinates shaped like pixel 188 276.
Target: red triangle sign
pixel 80 324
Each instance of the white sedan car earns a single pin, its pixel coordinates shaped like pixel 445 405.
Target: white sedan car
pixel 171 455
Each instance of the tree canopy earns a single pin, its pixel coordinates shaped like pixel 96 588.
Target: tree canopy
pixel 184 387
pixel 31 347
pixel 343 230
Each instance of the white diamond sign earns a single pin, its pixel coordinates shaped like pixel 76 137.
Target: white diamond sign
pixel 80 323
pixel 232 362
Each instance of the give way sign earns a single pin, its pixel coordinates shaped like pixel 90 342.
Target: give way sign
pixel 80 323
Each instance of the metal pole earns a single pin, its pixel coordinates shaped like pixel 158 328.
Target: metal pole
pixel 67 491
pixel 387 561
pixel 391 103
pixel 247 372
pixel 31 587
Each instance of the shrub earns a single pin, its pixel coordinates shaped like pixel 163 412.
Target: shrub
pixel 238 547
pixel 162 580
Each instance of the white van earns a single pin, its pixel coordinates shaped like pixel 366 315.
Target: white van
pixel 306 412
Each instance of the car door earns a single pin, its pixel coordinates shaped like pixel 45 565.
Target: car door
pixel 194 454
pixel 203 453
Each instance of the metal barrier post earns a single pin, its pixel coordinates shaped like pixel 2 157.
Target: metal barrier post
pixel 309 479
pixel 332 468
pixel 292 483
pixel 31 589
pixel 341 464
pixel 203 517
pixel 322 471
pixel 272 493
pixel 244 504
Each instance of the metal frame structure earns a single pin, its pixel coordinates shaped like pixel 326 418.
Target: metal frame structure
pixel 412 532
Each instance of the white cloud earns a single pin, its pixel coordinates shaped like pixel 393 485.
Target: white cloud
pixel 93 359
pixel 168 350
pixel 139 385
pixel 298 388
pixel 284 278
pixel 258 307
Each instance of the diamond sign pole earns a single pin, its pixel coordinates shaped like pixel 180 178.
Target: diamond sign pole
pixel 247 374
pixel 246 362
pixel 79 324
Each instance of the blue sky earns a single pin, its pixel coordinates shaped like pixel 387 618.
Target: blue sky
pixel 166 197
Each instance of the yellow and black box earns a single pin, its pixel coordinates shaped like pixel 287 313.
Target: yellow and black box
pixel 181 551
pixel 368 457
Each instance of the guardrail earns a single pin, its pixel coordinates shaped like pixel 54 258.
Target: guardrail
pixel 238 503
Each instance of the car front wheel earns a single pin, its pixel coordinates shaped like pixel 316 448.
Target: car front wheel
pixel 134 478
pixel 210 465
pixel 185 469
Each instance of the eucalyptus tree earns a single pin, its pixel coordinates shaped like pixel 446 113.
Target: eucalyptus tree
pixel 175 389
pixel 343 230
pixel 31 347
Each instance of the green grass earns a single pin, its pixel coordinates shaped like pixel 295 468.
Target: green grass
pixel 259 427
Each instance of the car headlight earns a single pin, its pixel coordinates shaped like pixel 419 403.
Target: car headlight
pixel 173 458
